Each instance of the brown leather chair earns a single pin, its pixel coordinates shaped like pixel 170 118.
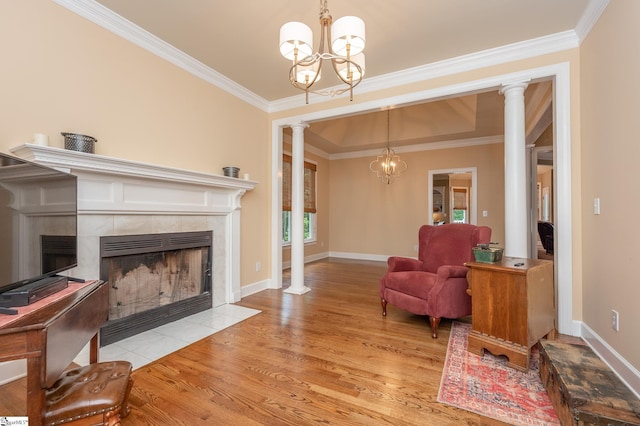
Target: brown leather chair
pixel 435 284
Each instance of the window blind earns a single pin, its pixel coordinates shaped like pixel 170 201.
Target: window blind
pixel 309 185
pixel 460 198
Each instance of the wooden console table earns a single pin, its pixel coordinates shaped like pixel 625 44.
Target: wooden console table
pixel 50 333
pixel 513 307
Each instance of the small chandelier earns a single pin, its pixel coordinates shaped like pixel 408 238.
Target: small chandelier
pixel 388 165
pixel 345 42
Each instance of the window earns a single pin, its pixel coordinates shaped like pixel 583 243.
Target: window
pixel 309 226
pixel 309 200
pixel 460 209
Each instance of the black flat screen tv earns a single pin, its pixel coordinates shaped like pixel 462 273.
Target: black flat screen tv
pixel 38 224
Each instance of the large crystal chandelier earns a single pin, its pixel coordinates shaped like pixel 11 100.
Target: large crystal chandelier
pixel 388 165
pixel 344 45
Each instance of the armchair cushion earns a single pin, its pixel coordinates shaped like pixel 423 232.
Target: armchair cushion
pixel 413 283
pixel 396 264
pixel 452 271
pixel 447 245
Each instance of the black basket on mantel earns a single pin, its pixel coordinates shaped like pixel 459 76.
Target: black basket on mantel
pixel 231 171
pixel 78 142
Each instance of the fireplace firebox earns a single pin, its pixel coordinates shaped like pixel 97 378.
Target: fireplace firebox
pixel 154 279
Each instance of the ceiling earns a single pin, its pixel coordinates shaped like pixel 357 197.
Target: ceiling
pixel 239 39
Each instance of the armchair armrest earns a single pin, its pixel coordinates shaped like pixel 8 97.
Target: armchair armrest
pixel 397 263
pixel 452 271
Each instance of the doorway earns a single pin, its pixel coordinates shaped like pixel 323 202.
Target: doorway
pixel 452 193
pixel 543 230
pixel 560 75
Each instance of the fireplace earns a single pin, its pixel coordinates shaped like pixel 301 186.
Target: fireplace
pixel 124 197
pixel 154 279
pixel 57 251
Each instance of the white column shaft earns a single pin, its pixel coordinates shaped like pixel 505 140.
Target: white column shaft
pixel 297 211
pixel 515 172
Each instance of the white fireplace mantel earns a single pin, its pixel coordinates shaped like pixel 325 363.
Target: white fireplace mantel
pixel 118 191
pixel 92 167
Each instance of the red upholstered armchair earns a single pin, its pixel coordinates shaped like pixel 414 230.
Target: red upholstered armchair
pixel 435 284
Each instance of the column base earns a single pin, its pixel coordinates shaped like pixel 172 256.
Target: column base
pixel 298 291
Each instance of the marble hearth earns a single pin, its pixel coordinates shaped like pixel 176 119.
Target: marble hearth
pixel 122 197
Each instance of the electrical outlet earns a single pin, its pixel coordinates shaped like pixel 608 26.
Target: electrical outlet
pixel 415 248
pixel 615 320
pixel 258 266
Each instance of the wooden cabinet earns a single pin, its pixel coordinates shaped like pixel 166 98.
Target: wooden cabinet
pixel 513 306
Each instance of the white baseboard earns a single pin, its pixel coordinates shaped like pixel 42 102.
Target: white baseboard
pixel 12 370
pixel 359 256
pixel 254 288
pixel 307 259
pixel 576 328
pixel 341 255
pixel 625 371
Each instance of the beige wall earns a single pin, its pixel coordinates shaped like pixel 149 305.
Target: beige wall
pixel 610 150
pixel 61 72
pixel 369 217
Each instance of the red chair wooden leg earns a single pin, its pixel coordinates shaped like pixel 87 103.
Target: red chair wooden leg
pixel 434 326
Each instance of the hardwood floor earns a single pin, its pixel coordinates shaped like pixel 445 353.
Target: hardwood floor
pixel 325 357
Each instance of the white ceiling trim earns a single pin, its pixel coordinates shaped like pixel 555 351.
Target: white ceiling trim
pixel 595 8
pixel 126 29
pixel 430 146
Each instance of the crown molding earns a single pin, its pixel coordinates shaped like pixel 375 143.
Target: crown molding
pixel 126 29
pixel 594 10
pixel 429 146
pixel 482 59
pixel 317 151
pixel 552 43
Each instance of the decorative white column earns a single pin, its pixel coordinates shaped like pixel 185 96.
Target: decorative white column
pixel 515 171
pixel 297 211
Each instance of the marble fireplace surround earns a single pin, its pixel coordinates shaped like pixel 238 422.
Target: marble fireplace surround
pixel 123 197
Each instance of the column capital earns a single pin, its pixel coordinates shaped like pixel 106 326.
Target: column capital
pixel 506 87
pixel 299 125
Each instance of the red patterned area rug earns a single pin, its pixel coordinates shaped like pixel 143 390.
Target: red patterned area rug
pixel 486 386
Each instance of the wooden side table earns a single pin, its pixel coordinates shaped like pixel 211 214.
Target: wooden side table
pixel 513 307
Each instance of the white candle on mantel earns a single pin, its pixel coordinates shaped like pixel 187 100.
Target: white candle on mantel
pixel 40 139
pixel 246 176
